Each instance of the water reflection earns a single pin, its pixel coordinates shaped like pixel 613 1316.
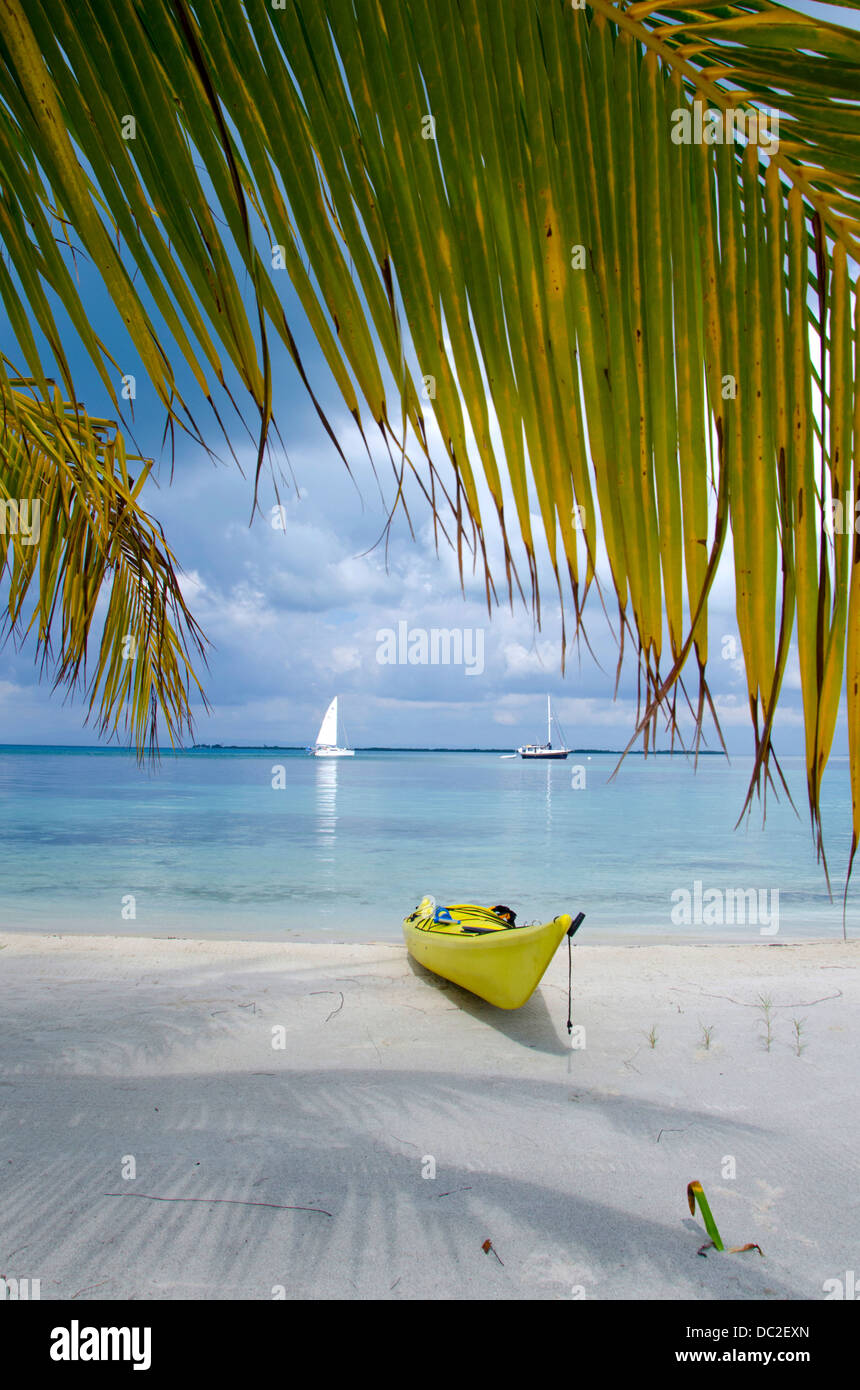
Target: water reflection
pixel 326 771
pixel 548 797
pixel 326 831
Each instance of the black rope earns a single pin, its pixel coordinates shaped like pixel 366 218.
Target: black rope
pixel 574 927
pixel 570 982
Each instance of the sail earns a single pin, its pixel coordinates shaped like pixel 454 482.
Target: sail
pixel 328 728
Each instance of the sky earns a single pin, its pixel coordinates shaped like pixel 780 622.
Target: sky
pixel 298 605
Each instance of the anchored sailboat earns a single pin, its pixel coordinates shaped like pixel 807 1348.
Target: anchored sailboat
pixel 545 750
pixel 326 745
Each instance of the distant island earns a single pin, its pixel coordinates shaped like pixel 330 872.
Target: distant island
pixel 300 748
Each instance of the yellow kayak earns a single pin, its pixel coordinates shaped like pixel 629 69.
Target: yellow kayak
pixel 475 947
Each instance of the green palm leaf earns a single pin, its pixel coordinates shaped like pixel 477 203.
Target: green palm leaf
pixel 81 554
pixel 493 195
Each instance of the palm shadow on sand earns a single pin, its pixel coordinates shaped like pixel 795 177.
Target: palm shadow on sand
pixel 325 1140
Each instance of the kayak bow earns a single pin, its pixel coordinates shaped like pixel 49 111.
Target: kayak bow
pixel 472 947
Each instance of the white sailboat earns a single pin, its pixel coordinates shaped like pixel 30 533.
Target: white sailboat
pixel 326 745
pixel 545 750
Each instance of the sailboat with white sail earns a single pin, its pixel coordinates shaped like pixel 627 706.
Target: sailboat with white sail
pixel 546 750
pixel 326 745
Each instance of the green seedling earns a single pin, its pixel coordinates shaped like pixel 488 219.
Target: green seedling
pixel 695 1193
pixel 765 1003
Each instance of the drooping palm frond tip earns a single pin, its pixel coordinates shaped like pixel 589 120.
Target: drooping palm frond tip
pixel 84 561
pixel 492 200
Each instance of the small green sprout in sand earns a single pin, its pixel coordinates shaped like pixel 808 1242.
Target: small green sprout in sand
pixel 707 1034
pixel 652 1036
pixel 695 1193
pixel 799 1045
pixel 765 1003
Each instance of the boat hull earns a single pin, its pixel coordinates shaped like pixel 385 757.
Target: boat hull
pixel 504 966
pixel 333 752
pixel 554 753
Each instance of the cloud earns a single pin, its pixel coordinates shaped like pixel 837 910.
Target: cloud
pixel 292 611
pixel 344 659
pixel 542 657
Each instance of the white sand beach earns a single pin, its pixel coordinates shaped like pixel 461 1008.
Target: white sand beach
pixel 574 1163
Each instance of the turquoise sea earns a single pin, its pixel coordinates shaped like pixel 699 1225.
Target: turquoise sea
pixel 204 844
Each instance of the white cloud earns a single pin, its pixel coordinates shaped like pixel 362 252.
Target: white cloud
pixel 344 659
pixel 544 657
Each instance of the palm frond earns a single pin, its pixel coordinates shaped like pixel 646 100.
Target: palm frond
pixel 74 531
pixel 495 196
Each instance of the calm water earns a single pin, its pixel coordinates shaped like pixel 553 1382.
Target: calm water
pixel 207 847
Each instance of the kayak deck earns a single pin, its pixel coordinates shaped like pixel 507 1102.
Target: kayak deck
pixel 473 948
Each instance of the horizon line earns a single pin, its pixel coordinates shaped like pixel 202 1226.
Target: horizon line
pixel 366 748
